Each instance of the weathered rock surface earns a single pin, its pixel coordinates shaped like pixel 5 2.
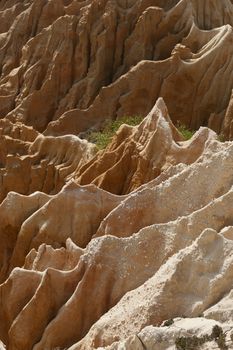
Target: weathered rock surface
pixel 164 338
pixel 171 239
pixel 99 249
pixel 139 149
pixel 32 162
pixel 92 60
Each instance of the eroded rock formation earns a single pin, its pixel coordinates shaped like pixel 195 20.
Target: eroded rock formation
pixel 92 60
pixel 32 162
pixel 135 155
pixel 112 265
pixel 98 249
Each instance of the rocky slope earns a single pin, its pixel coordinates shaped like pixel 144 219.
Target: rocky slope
pixel 91 60
pixel 131 247
pixel 102 267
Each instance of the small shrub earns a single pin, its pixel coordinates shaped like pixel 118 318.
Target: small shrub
pixel 103 137
pixel 186 132
pixel 219 337
pixel 168 323
pixel 216 332
pixel 221 138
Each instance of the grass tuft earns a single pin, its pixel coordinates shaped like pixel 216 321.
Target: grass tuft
pixel 186 133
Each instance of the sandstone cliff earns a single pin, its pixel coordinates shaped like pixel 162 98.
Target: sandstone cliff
pixel 130 247
pixel 92 60
pixel 108 266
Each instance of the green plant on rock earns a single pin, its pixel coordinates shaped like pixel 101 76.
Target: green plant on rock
pixel 168 323
pixel 103 137
pixel 185 132
pixel 221 138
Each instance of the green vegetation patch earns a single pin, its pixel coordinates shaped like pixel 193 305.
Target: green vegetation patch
pixel 103 137
pixel 221 138
pixel 186 132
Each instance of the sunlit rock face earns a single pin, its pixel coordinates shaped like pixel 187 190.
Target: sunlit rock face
pixel 113 264
pixel 98 249
pixel 68 65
